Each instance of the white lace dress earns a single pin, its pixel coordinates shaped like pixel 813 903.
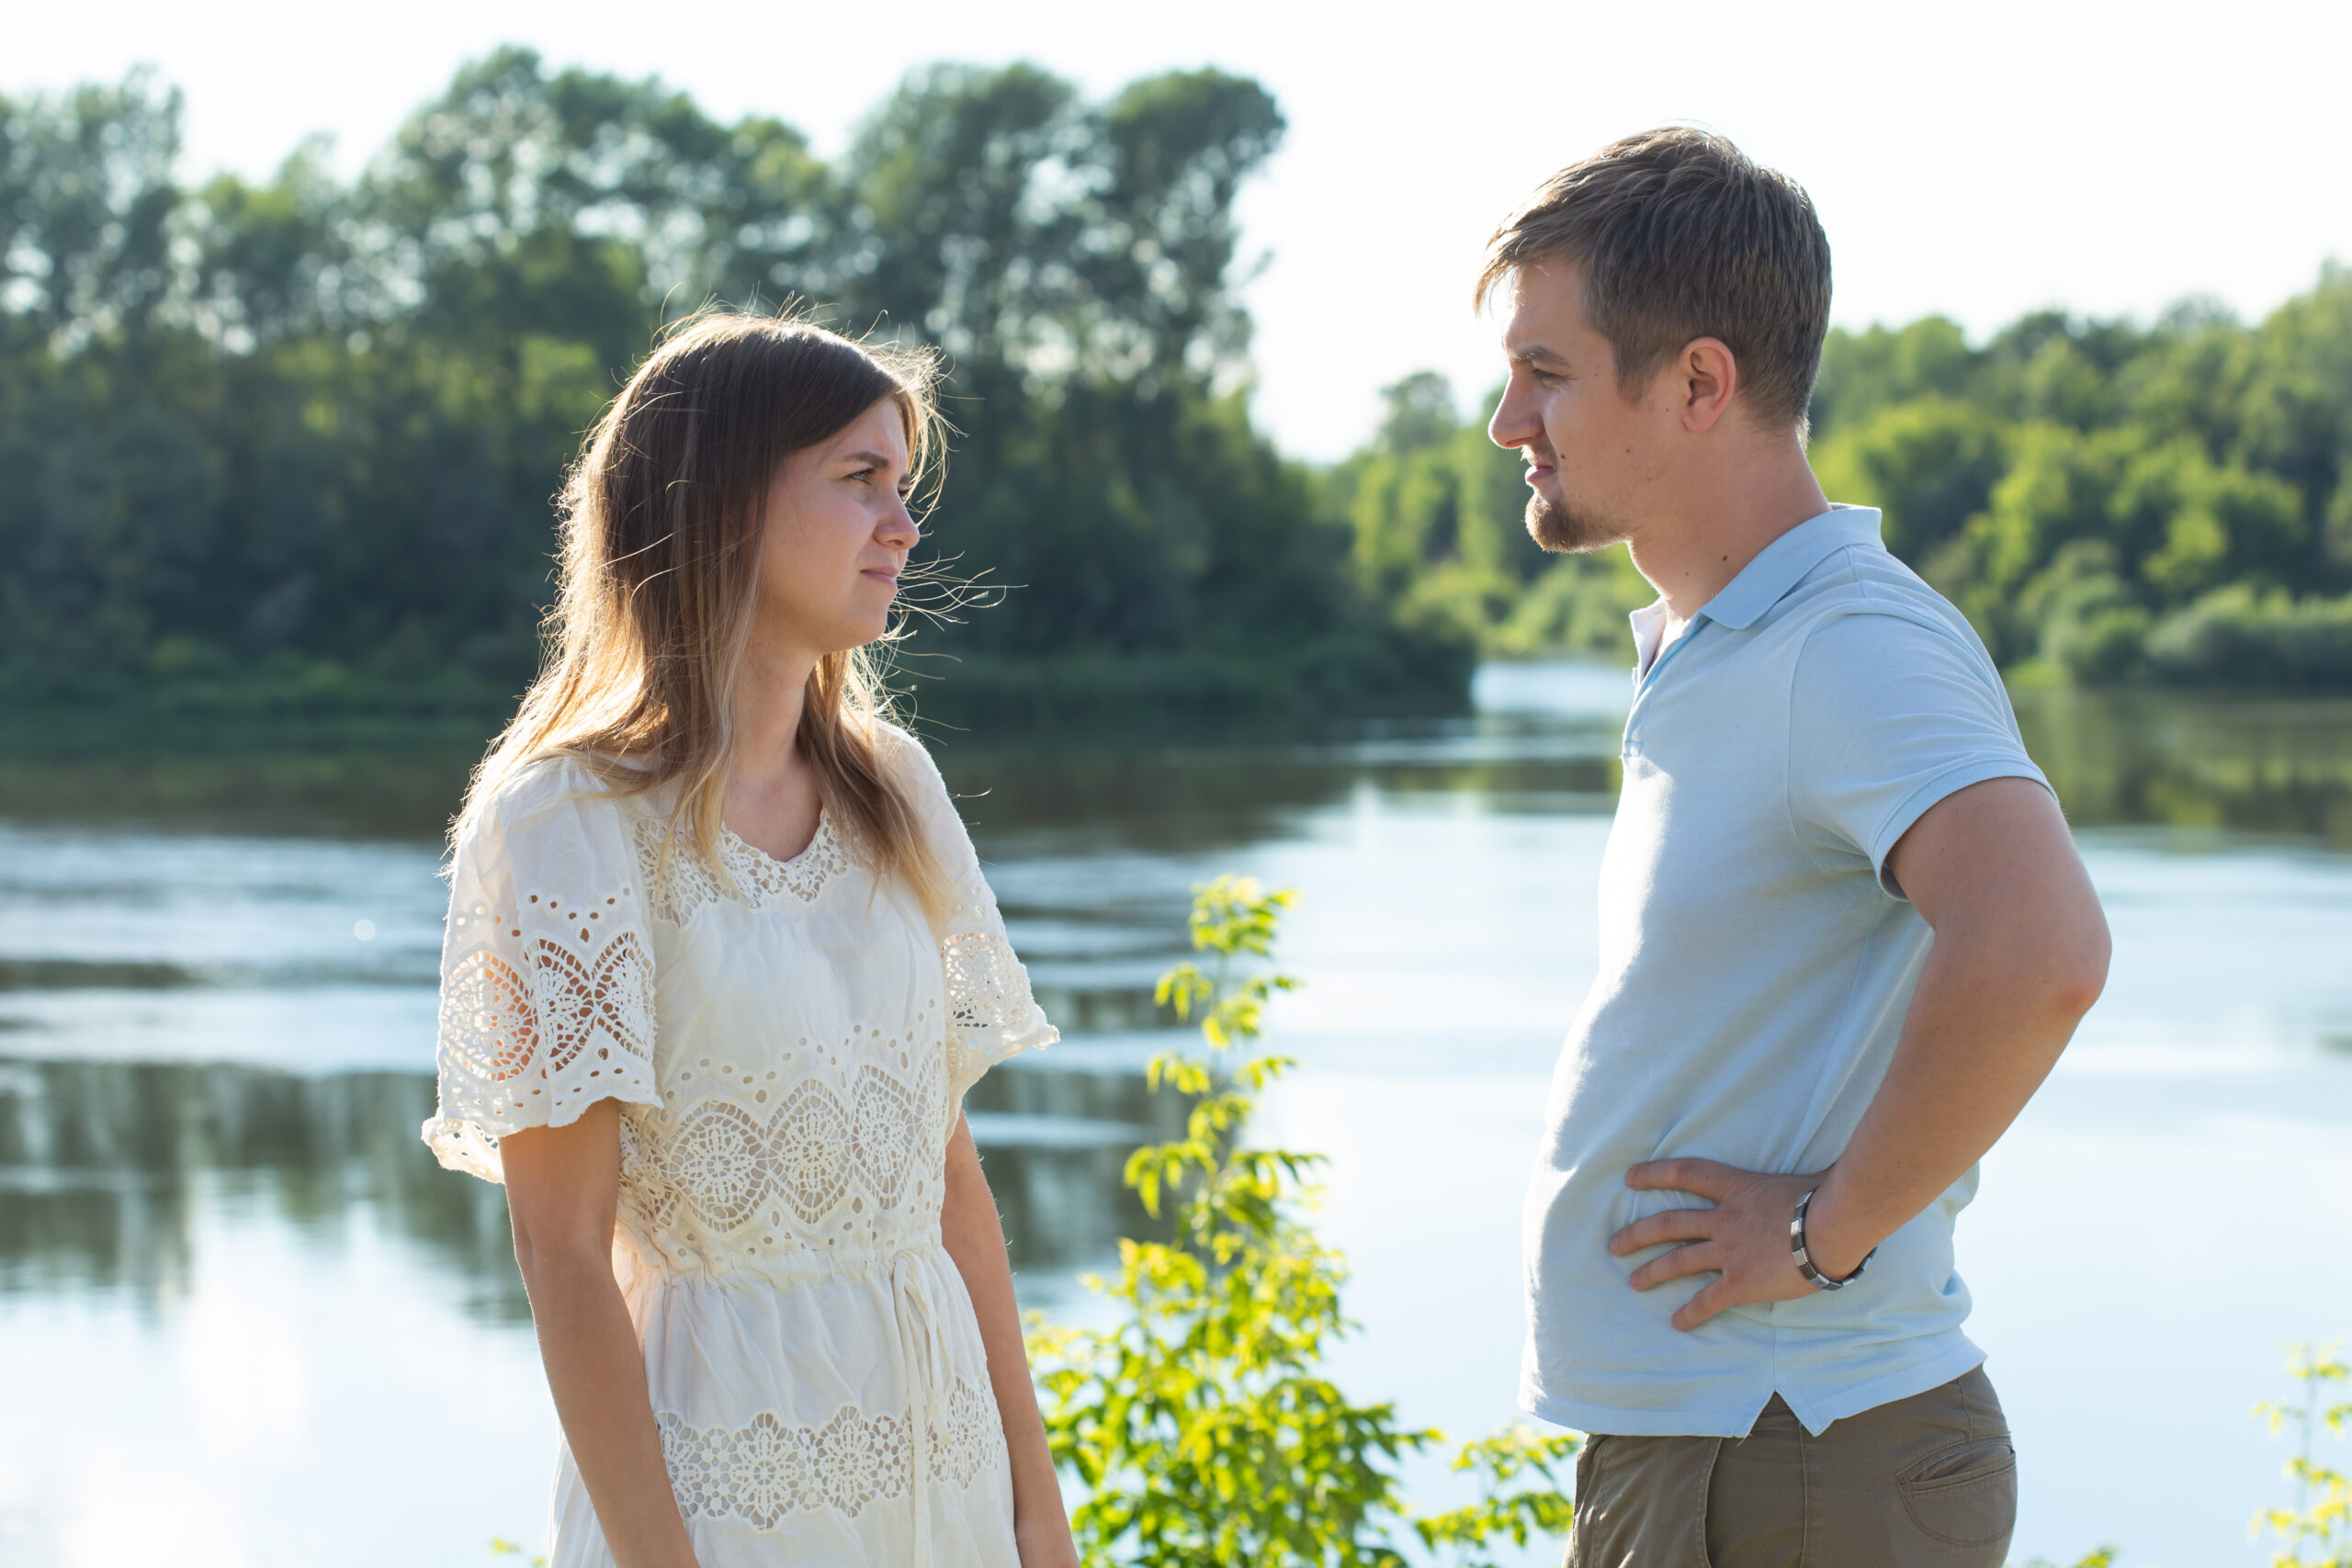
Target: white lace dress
pixel 791 1053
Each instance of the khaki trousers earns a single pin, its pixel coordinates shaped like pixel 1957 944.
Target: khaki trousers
pixel 1929 1482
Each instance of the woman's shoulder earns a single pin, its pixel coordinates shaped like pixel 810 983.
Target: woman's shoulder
pixel 906 760
pixel 556 789
pixel 908 764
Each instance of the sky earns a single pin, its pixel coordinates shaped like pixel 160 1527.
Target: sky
pixel 1977 161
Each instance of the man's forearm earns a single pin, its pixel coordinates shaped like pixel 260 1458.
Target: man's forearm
pixel 1996 1004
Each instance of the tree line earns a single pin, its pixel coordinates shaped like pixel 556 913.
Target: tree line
pixel 289 444
pixel 293 442
pixel 2109 503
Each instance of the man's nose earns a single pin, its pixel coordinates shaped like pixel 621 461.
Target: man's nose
pixel 1514 423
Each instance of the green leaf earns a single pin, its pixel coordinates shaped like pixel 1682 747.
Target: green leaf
pixel 1201 1425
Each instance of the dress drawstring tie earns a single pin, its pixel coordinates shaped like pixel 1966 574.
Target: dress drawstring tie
pixel 925 1344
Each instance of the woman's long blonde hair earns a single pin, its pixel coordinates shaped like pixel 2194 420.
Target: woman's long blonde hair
pixel 662 522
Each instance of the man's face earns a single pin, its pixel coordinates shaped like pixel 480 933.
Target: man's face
pixel 1592 453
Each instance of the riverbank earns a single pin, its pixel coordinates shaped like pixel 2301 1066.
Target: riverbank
pixel 322 706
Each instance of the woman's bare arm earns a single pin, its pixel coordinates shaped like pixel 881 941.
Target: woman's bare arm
pixel 974 1239
pixel 562 1190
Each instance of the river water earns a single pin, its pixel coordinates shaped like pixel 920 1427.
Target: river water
pixel 246 1323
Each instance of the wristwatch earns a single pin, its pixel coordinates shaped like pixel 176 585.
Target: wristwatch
pixel 1814 1277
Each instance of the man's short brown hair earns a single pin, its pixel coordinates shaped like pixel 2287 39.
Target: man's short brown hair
pixel 1681 235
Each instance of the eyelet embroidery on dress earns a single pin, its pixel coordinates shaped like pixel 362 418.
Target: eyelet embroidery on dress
pixel 486 1018
pixel 986 987
pixel 685 883
pixel 761 1471
pixel 612 994
pixel 787 1182
pixel 507 1036
pixel 990 1014
pixel 974 1437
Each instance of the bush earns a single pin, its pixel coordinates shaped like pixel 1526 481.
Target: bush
pixel 2322 1517
pixel 2092 625
pixel 2237 636
pixel 1201 1425
pixel 1579 604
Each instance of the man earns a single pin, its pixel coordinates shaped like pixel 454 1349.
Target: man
pixel 1844 931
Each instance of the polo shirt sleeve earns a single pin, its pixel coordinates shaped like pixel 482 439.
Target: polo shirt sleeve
pixel 1887 716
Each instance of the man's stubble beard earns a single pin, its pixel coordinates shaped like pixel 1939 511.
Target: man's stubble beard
pixel 1561 531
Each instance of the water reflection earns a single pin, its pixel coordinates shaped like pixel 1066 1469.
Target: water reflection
pixel 1053 1142
pixel 104 1166
pixel 403 791
pixel 106 1163
pixel 2270 765
pixel 225 891
pixel 1545 736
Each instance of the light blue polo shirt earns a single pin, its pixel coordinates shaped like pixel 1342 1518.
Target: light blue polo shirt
pixel 1757 958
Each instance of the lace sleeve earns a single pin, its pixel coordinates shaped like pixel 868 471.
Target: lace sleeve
pixel 990 1014
pixel 547 973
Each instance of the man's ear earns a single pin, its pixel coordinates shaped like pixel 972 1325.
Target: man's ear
pixel 1703 380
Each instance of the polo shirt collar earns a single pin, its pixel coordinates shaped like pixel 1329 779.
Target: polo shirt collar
pixel 1783 564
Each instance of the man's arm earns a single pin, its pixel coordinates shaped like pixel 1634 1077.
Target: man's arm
pixel 2021 954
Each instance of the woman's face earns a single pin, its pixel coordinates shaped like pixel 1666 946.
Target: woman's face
pixel 836 536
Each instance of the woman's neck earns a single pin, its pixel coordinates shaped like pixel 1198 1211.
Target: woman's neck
pixel 768 703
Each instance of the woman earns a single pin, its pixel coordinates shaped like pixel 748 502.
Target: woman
pixel 720 965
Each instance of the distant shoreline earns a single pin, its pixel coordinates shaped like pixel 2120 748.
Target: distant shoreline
pixel 325 708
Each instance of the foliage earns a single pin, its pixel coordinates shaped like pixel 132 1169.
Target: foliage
pixel 1437 509
pixel 1538 1507
pixel 2113 503
pixel 2108 502
pixel 297 437
pixel 1201 1425
pixel 2321 1520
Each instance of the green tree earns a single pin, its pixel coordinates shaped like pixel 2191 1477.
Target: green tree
pixel 1930 463
pixel 1864 374
pixel 298 439
pixel 1202 1427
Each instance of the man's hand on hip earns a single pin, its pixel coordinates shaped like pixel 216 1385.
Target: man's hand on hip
pixel 1744 1239
pixel 2020 955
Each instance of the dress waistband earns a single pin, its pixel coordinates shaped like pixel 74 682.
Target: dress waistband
pixel 875 1266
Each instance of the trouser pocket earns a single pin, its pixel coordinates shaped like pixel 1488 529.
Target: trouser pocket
pixel 1965 1495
